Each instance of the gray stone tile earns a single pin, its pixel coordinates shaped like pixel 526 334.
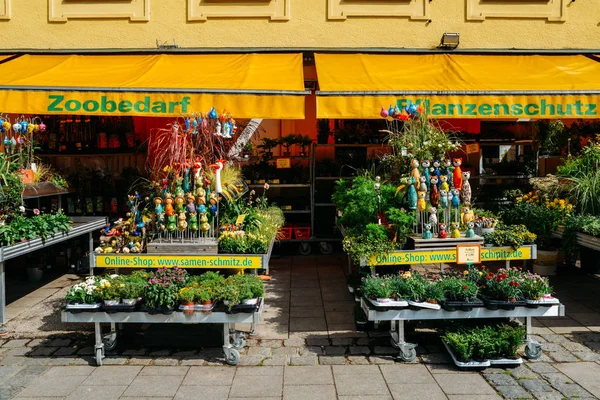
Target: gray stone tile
pixel 307 312
pixel 437 358
pixel 587 355
pixel 513 392
pixel 257 386
pixel 318 341
pixel 542 367
pixel 313 392
pixel 311 351
pixel 272 344
pixel 164 371
pixel 61 361
pixel 411 391
pixel 356 370
pixel 113 375
pixel 166 361
pixel 358 360
pixel 262 351
pixel 288 351
pixel 554 395
pixel 474 397
pixel 80 370
pixel 522 372
pixel 276 360
pixel 202 393
pixel 209 376
pixel 307 324
pixel 359 384
pixel 463 384
pixel 585 373
pixel 42 351
pixel 572 390
pixel 332 360
pixel 382 360
pixel 259 371
pixel 295 341
pixel 97 393
pixel 554 338
pixel 310 375
pixel 141 361
pixel 359 350
pixel 407 374
pixel 563 356
pixel 574 346
pixel 146 386
pixel 382 397
pixel 60 343
pixel 53 386
pixel 15 343
pixel 64 351
pixel 536 385
pixel 115 361
pixel 304 360
pixel 500 379
pixel 251 361
pixel 335 351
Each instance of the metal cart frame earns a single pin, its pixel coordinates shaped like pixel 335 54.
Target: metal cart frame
pixel 232 340
pixel 533 349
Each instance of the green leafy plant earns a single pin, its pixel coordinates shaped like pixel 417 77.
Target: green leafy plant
pixel 290 140
pixel 304 142
pixel 402 221
pixel 461 345
pixel 459 289
pixel 538 219
pixel 187 294
pixel 375 287
pixel 132 288
pixel 434 293
pixel 367 243
pixel 504 285
pixel 514 236
pixel 534 287
pixel 109 289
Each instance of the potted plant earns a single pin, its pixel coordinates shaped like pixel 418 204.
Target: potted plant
pixel 537 290
pixel 204 296
pixel 377 289
pixel 83 295
pixel 186 297
pixel 248 149
pixel 132 290
pixel 502 290
pixel 267 147
pixel 109 291
pixel 460 294
pixel 304 141
pixel 288 141
pixel 229 293
pixel 161 292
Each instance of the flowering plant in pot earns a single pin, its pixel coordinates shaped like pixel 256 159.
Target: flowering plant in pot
pixel 250 286
pixel 83 293
pixel 161 291
pixel 205 296
pixel 109 291
pixel 186 297
pixel 377 288
pixel 460 294
pixel 130 290
pixel 502 290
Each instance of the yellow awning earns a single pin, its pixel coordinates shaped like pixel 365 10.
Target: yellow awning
pixel 459 86
pixel 246 85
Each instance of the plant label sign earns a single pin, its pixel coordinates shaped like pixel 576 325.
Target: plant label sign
pixel 283 163
pixel 472 148
pixel 468 254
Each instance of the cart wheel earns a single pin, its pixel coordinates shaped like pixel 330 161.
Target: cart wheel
pixel 99 357
pixel 239 342
pixel 304 248
pixel 533 351
pixel 394 343
pixel 233 358
pixel 408 355
pixel 109 345
pixel 326 248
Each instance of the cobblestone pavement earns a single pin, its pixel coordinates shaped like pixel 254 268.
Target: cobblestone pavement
pixel 307 347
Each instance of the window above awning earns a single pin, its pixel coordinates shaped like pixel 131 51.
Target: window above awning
pixel 246 85
pixel 459 86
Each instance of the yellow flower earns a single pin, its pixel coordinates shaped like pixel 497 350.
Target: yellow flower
pixel 122 285
pixel 466 272
pixel 406 275
pixel 480 273
pixel 107 284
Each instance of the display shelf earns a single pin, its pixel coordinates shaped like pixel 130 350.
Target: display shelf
pixel 296 211
pixel 104 154
pixel 484 177
pixel 43 189
pixel 324 204
pixel 279 185
pixel 583 240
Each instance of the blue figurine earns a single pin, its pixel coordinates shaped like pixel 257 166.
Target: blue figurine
pixel 391 111
pixel 443 199
pixel 187 124
pixel 186 180
pixel 455 198
pixel 426 164
pixel 427 231
pixel 412 195
pixel 437 173
pixel 212 114
pixel 449 168
pixel 470 232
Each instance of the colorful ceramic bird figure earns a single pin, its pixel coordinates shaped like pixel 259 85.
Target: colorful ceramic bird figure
pixel 470 233
pixel 427 231
pixel 437 173
pixel 426 164
pixel 448 170
pixel 186 180
pixel 212 114
pixel 217 167
pixel 421 203
pixel 444 184
pixel 391 111
pixel 412 195
pixel 443 199
pixel 442 234
pixel 455 198
pixel 433 217
pixel 466 187
pixel 434 195
pixel 455 232
pixel 457 173
pixel 384 113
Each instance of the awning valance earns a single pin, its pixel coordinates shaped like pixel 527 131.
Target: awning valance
pixel 246 85
pixel 459 86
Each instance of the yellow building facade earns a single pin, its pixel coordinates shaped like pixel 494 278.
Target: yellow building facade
pixel 298 24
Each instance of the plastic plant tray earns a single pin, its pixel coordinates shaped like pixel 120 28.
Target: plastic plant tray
pixel 506 361
pixel 424 304
pixel 545 302
pixel 454 305
pixel 470 364
pixel 390 305
pixel 83 307
pixel 119 308
pixel 197 307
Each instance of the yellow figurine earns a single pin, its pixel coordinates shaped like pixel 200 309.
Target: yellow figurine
pixel 455 232
pixel 467 215
pixel 444 185
pixel 421 203
pixel 414 164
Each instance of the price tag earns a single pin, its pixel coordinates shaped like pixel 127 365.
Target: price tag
pixel 240 219
pixel 283 163
pixel 472 148
pixel 468 254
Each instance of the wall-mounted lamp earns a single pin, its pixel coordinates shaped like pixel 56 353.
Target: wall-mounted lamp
pixel 450 40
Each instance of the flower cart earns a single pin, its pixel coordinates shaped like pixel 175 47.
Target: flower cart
pixel 232 340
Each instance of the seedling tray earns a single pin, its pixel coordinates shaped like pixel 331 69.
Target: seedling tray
pixel 455 305
pixel 492 304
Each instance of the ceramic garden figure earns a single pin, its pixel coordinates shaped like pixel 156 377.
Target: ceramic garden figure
pixel 437 173
pixel 442 234
pixel 455 232
pixel 427 231
pixel 191 207
pixel 422 184
pixel 158 208
pixel 467 215
pixel 412 195
pixel 470 232
pixel 426 165
pixel 160 222
pixel 466 187
pixel 448 170
pixel 455 198
pixel 434 196
pixel 444 184
pixel 421 203
pixel 457 173
pixel 414 170
pixel 171 222
pixel 169 205
pixel 200 195
pixel 433 218
pixel 182 222
pixel 204 225
pixel 193 222
pixel 186 180
pixel 444 199
pixel 179 201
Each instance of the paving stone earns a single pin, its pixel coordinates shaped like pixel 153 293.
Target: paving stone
pixel 52 386
pixel 207 392
pixel 209 376
pixel 134 352
pixel 288 351
pixel 257 386
pixel 587 355
pixel 554 395
pixel 574 347
pixel 95 393
pixel 341 341
pixel 2 341
pixel 115 361
pixel 113 375
pixel 437 358
pixel 37 342
pixel 294 342
pixel 194 361
pixel 167 361
pixel 536 385
pixel 522 372
pixel 160 353
pixel 500 379
pixel 382 360
pixel 271 343
pixel 513 392
pixel 186 353
pixel 411 391
pixel 61 361
pixel 358 360
pixel 304 360
pixel 335 351
pixel 151 386
pixel 313 392
pixel 359 384
pixel 259 371
pixel 259 351
pixel 60 343
pixel 12 360
pixel 309 375
pixel 363 342
pixel 166 371
pixel 36 360
pixel 593 345
pixel 463 384
pixel 585 374
pixel 140 361
pixel 553 338
pixel 64 351
pixel 70 371
pixel 311 350
pixel 16 343
pixel 563 356
pixel 319 341
pixel 251 360
pixel 277 360
pixel 571 390
pixel 86 351
pixel 543 358
pixel 385 351
pixel 552 347
pixel 332 360
pixel 407 374
pixel 359 350
pixel 17 351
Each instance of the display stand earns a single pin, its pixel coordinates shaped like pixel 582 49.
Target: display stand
pixel 408 353
pixel 80 226
pixel 232 340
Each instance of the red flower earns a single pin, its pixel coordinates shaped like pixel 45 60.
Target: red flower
pixel 465 287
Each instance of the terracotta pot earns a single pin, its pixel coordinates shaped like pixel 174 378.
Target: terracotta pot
pixel 27 175
pixel 206 304
pixel 189 308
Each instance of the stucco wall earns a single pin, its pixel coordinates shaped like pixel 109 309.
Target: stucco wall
pixel 310 25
